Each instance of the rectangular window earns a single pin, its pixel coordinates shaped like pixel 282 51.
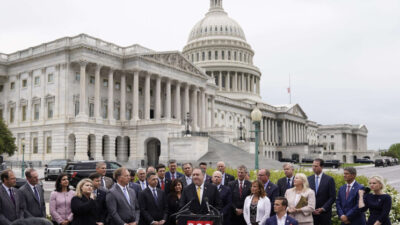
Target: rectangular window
pixel 91 80
pixel 35 145
pixel 1 88
pixel 197 57
pixel 128 88
pixel 105 82
pixel 203 56
pixel 105 111
pixel 50 78
pixel 37 81
pixel 117 85
pixel 36 111
pixel 11 115
pixel 76 108
pixel 116 113
pixel 332 136
pixel 91 110
pixel 23 112
pixel 209 55
pixel 229 55
pixel 48 145
pixel 192 57
pixel 24 83
pixel 50 109
pixel 216 55
pixel 223 55
pixel 77 76
pixel 128 114
pixel 240 56
pixel 12 85
pixel 234 56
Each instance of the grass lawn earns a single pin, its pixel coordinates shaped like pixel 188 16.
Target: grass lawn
pixel 342 166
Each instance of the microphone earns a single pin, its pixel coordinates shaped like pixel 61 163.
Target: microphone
pixel 208 205
pixel 187 204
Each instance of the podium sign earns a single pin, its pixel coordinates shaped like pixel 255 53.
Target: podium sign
pixel 193 222
pixel 196 219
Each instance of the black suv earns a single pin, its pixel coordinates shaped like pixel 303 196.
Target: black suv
pixel 380 162
pixel 332 163
pixel 78 170
pixel 364 160
pixel 54 168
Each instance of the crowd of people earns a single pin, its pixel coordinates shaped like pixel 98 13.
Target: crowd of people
pixel 156 196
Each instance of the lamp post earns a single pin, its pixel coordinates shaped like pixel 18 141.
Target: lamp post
pixel 23 158
pixel 241 131
pixel 256 117
pixel 187 120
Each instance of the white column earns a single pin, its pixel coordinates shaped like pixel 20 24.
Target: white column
pixel 178 101
pixel 110 102
pixel 212 111
pixel 258 85
pixel 97 102
pixel 168 100
pixel 203 110
pixel 273 131
pixel 251 83
pixel 82 93
pixel 220 80
pixel 270 131
pixel 123 97
pixel 147 97
pixel 186 101
pixel 283 133
pixel 135 110
pixel 243 83
pixel 248 83
pixel 262 130
pixel 43 113
pixel 276 133
pixel 228 81
pixel 158 98
pixel 235 82
pixel 206 106
pixel 194 109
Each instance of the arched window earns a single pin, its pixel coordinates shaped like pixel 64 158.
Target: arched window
pixel 223 55
pixel 203 56
pixel 209 55
pixel 229 55
pixel 216 55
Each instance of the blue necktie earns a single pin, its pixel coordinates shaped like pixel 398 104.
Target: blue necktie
pixel 316 184
pixel 288 184
pixel 127 195
pixel 155 195
pixel 36 194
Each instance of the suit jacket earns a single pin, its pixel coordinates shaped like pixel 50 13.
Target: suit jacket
pixel 349 206
pixel 109 182
pixel 101 205
pixel 282 185
pixel 84 210
pixel 167 185
pixel 272 191
pixel 183 179
pixel 136 187
pixel 306 212
pixel 119 210
pixel 150 209
pixel 210 191
pixel 8 211
pixel 226 197
pixel 263 209
pixel 32 207
pixel 208 179
pixel 228 178
pixel 237 200
pixel 326 194
pixel 274 221
pixel 138 182
pixel 169 176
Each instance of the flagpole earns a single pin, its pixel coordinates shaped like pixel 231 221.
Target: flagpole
pixel 290 91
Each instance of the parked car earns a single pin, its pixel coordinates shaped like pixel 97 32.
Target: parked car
pixel 393 161
pixel 78 170
pixel 364 160
pixel 305 160
pixel 54 168
pixel 288 160
pixel 388 162
pixel 380 162
pixel 332 163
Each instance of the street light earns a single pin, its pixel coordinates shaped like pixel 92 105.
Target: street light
pixel 241 131
pixel 256 117
pixel 187 121
pixel 23 158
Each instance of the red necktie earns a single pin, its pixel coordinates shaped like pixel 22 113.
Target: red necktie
pixel 240 188
pixel 173 176
pixel 162 185
pixel 348 191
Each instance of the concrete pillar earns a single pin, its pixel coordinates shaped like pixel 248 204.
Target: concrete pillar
pixel 110 101
pixel 235 82
pixel 178 101
pixel 194 109
pixel 220 80
pixel 168 100
pixel 97 102
pixel 147 97
pixel 123 97
pixel 283 133
pixel 82 92
pixel 228 81
pixel 135 110
pixel 212 111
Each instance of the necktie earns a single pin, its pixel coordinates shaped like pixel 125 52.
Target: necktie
pixel 219 188
pixel 288 184
pixel 198 193
pixel 127 195
pixel 12 196
pixel 162 185
pixel 240 188
pixel 155 195
pixel 173 176
pixel 103 183
pixel 143 185
pixel 316 183
pixel 348 191
pixel 36 194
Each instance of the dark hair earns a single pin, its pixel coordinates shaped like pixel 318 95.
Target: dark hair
pixel 148 175
pixel 28 172
pixel 58 182
pixel 132 172
pixel 171 161
pixel 351 170
pixel 202 164
pixel 321 162
pixel 160 166
pixel 94 176
pixel 187 163
pixel 5 174
pixel 283 199
pixel 118 172
pixel 261 192
pixel 172 187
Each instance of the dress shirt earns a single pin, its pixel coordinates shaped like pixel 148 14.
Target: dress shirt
pixel 290 179
pixel 201 191
pixel 7 190
pixel 142 184
pixel 126 194
pixel 282 220
pixel 33 190
pixel 223 179
pixel 188 180
pixel 266 185
pixel 319 178
pixel 351 185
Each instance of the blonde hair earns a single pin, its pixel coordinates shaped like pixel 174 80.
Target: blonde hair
pixel 380 180
pixel 80 184
pixel 303 177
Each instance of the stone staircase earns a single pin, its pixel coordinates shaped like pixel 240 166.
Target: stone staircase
pixel 234 156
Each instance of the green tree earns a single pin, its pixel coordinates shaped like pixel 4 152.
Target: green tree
pixel 394 150
pixel 7 141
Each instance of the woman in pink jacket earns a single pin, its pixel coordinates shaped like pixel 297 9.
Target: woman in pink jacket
pixel 60 201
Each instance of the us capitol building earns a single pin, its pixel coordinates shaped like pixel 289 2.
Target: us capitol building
pixel 84 98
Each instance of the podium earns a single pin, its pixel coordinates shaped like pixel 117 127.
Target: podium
pixel 199 219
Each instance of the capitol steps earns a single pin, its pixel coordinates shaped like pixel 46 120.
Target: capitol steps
pixel 234 156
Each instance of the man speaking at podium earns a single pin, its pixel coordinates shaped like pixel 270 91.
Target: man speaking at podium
pixel 200 197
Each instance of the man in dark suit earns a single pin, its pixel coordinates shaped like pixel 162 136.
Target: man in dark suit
pixel 240 188
pixel 226 197
pixel 100 193
pixel 122 204
pixel 203 167
pixel 32 195
pixel 132 184
pixel 325 193
pixel 286 182
pixel 172 174
pixel 11 206
pixel 281 216
pixel 141 174
pixel 199 193
pixel 187 170
pixel 153 203
pixel 163 183
pixel 347 199
pixel 270 188
pixel 226 178
pixel 106 182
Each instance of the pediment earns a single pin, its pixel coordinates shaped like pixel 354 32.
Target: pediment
pixel 176 60
pixel 297 111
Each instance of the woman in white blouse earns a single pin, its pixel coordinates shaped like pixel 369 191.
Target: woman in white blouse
pixel 301 200
pixel 257 206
